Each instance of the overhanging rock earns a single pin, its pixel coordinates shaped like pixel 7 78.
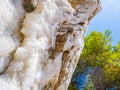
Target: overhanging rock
pixel 41 41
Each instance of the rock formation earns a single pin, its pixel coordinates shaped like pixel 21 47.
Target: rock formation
pixel 41 41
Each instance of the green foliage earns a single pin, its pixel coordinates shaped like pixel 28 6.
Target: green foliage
pixel 112 68
pixel 89 84
pixel 97 48
pixel 99 53
pixel 72 87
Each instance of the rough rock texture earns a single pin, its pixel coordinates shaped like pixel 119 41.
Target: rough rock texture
pixel 41 41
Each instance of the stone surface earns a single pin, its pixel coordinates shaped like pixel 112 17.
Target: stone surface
pixel 41 41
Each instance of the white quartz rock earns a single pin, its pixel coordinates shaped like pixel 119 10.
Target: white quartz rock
pixel 10 18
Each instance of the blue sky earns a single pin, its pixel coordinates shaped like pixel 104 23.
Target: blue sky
pixel 108 18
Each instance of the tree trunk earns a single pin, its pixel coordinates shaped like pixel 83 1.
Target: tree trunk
pixel 41 41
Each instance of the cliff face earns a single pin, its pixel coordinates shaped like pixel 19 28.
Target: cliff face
pixel 41 41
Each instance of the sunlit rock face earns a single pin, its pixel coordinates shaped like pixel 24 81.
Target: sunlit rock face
pixel 41 41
